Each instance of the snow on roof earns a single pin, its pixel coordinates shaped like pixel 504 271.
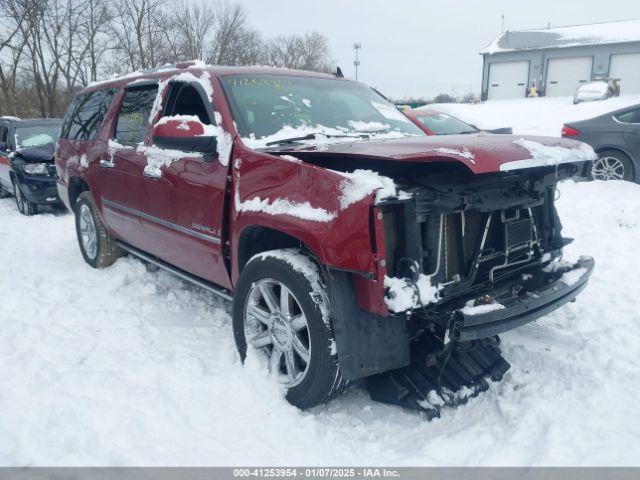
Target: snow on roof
pixel 563 37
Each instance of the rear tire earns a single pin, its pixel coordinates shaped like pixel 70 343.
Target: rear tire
pixel 97 246
pixel 283 311
pixel 612 165
pixel 25 207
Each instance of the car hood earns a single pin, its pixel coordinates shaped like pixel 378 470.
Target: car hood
pixel 41 153
pixel 481 153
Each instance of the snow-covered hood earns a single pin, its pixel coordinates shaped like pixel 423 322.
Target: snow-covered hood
pixel 481 153
pixel 41 153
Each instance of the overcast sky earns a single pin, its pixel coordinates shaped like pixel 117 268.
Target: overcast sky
pixel 423 47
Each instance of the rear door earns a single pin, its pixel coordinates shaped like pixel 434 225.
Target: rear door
pixel 123 165
pixel 565 75
pixel 184 206
pixel 508 80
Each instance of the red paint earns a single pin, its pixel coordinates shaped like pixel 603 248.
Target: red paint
pixel 413 116
pixel 178 128
pixel 489 151
pixel 199 196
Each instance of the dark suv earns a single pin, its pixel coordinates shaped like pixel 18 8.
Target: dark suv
pixel 351 244
pixel 27 169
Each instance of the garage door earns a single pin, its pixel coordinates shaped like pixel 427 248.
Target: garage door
pixel 626 67
pixel 508 80
pixel 564 75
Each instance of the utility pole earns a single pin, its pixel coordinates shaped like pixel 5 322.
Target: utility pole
pixel 502 24
pixel 357 46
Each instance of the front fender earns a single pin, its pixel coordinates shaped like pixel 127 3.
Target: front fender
pixel 303 201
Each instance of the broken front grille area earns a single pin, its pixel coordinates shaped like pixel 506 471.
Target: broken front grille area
pixel 459 249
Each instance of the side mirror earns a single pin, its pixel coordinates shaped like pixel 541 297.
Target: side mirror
pixel 185 133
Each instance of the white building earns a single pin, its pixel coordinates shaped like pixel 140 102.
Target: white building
pixel 559 59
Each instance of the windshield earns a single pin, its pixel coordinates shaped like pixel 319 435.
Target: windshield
pixel 443 124
pixel 37 135
pixel 274 109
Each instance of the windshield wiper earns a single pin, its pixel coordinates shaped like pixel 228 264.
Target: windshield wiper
pixel 313 136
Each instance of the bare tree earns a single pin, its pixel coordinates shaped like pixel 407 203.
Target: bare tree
pixel 50 48
pixel 142 32
pixel 305 52
pixel 194 24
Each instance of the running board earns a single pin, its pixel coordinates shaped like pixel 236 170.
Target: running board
pixel 439 376
pixel 208 286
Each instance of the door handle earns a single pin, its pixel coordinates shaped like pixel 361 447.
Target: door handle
pixel 107 163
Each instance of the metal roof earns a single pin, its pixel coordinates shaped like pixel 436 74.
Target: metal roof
pixel 563 37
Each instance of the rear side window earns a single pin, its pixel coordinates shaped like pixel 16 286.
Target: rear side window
pixel 84 117
pixel 133 119
pixel 629 117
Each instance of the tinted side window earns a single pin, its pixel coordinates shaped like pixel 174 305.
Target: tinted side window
pixel 84 117
pixel 629 117
pixel 184 99
pixel 133 119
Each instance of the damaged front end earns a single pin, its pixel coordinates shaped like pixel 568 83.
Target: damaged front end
pixel 490 248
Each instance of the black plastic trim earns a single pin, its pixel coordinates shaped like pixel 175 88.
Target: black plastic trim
pixel 522 310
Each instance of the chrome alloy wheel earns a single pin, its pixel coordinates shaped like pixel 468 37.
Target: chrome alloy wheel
pixel 275 325
pixel 88 232
pixel 608 168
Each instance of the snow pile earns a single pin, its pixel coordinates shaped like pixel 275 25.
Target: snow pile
pixel 160 157
pixel 470 309
pixel 464 153
pixel 303 264
pixel 362 183
pixel 544 155
pixel 121 367
pixel 290 158
pixel 532 116
pixel 574 276
pixel 283 206
pixel 402 295
pixel 360 126
pixel 320 135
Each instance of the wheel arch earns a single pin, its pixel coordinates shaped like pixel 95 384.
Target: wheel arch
pixel 255 239
pixel 76 186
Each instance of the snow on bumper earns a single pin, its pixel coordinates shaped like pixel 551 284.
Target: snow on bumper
pixel 540 296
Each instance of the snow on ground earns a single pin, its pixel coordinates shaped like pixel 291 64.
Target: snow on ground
pixel 532 116
pixel 130 366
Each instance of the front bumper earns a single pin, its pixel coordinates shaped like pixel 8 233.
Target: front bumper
pixel 39 189
pixel 532 296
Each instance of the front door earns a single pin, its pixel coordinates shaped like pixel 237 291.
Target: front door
pixel 184 194
pixel 123 165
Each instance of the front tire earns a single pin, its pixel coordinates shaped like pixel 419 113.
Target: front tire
pixel 25 207
pixel 4 193
pixel 97 246
pixel 612 165
pixel 280 309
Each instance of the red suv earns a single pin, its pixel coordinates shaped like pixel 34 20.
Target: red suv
pixel 351 244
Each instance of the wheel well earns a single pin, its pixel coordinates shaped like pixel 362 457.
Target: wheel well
pixel 257 239
pixel 76 187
